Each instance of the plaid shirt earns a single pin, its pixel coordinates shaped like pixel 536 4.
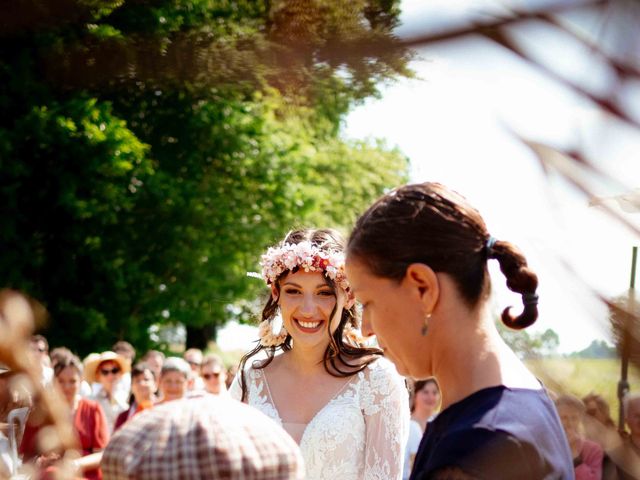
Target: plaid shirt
pixel 202 438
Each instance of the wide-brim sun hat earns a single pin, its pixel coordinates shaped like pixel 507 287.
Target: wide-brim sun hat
pixel 93 360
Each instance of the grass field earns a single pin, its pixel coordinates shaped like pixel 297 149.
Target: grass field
pixel 580 376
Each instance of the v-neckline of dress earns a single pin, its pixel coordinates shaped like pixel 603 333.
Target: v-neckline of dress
pixel 316 415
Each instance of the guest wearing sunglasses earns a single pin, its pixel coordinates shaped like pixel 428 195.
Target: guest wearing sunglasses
pixel 193 356
pixel 214 375
pixel 106 369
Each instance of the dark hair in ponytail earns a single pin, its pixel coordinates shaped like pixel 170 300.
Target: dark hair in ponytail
pixel 520 279
pixel 339 355
pixel 431 224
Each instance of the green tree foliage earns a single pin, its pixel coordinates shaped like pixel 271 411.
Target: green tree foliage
pixel 530 345
pixel 151 152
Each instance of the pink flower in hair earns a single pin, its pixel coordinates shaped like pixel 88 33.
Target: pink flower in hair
pixel 306 256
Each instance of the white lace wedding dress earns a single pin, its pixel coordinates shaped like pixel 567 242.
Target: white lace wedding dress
pixel 359 434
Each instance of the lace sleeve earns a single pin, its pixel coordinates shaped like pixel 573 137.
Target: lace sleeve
pixel 385 405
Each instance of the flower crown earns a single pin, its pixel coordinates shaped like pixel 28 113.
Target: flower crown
pixel 306 256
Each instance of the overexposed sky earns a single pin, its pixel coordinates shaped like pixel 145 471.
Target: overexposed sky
pixel 454 124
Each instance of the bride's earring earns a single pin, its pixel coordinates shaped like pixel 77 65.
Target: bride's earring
pixel 272 333
pixel 352 335
pixel 425 326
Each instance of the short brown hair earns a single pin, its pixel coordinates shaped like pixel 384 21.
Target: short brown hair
pixel 124 346
pixel 67 361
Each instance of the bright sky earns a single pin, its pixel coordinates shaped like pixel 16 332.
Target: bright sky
pixel 451 125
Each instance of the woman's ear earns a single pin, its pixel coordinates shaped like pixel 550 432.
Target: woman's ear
pixel 424 282
pixel 274 293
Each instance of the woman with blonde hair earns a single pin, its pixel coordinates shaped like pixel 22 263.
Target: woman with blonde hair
pixel 587 455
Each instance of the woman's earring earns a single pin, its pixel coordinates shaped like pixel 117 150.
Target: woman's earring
pixel 425 327
pixel 268 335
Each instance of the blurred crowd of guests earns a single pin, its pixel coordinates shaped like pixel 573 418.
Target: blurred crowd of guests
pixel 599 450
pixel 103 392
pixel 106 390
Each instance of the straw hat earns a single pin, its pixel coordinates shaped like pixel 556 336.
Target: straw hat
pixel 93 360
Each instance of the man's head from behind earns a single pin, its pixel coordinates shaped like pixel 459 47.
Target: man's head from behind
pixel 208 437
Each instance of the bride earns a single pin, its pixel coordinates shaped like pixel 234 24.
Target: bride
pixel 343 403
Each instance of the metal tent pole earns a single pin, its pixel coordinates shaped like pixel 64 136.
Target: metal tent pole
pixel 623 384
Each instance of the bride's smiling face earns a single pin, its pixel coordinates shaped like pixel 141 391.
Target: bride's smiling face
pixel 306 301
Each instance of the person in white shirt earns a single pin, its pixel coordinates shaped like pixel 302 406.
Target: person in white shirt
pixel 425 401
pixel 106 369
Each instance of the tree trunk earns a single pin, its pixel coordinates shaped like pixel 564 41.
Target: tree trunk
pixel 199 337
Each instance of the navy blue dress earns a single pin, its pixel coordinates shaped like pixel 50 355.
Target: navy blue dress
pixel 497 433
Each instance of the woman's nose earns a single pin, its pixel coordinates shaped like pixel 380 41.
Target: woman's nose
pixel 308 307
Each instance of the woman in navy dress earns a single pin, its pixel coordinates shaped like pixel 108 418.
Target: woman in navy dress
pixel 417 262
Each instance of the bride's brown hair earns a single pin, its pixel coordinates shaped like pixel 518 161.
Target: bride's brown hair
pixel 341 359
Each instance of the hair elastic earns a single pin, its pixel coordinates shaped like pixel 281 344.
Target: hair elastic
pixel 529 298
pixel 491 241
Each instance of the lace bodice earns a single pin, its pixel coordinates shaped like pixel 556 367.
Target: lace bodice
pixel 358 435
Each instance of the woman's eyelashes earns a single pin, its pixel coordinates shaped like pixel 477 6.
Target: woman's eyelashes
pixel 321 293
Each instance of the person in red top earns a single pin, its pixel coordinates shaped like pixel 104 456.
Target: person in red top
pixel 143 386
pixel 89 422
pixel 587 455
